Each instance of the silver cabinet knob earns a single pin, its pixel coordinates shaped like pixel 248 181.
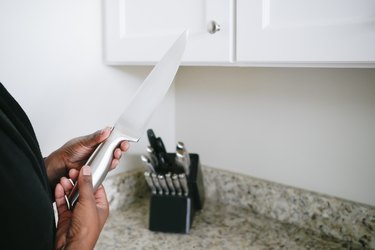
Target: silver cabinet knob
pixel 213 27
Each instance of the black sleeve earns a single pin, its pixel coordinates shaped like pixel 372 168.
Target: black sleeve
pixel 26 212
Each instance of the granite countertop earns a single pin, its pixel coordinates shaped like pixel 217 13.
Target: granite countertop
pixel 215 227
pixel 240 212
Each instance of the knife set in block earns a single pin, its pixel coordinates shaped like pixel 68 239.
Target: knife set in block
pixel 176 184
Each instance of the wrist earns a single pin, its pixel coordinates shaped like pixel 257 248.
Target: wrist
pixel 78 244
pixel 80 240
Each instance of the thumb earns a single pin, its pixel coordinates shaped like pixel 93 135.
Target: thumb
pixel 94 139
pixel 86 190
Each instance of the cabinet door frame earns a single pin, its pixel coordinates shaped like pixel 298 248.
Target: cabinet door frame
pixel 138 32
pixel 269 33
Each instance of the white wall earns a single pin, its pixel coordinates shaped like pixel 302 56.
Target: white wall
pixel 51 61
pixel 309 128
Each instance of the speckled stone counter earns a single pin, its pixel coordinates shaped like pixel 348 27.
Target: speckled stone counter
pixel 240 212
pixel 216 227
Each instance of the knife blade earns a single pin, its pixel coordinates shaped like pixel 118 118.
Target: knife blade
pixel 133 121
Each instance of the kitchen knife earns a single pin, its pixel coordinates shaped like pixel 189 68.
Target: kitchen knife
pixel 163 184
pixel 149 181
pixel 147 162
pixel 181 146
pixel 184 185
pixel 133 121
pixel 152 139
pixel 176 184
pixel 162 155
pixel 182 161
pixel 168 178
pixel 152 155
pixel 160 145
pixel 159 148
pixel 156 183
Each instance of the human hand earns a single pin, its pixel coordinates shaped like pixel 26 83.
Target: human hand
pixel 80 228
pixel 76 152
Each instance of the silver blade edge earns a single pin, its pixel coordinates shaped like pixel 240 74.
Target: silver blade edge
pixel 133 121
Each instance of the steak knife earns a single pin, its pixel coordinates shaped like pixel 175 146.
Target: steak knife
pixel 133 121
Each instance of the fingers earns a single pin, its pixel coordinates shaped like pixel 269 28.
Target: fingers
pixel 60 199
pixel 114 164
pixel 101 197
pixel 92 140
pixel 66 184
pixel 93 203
pixel 87 218
pixel 86 190
pixel 101 135
pixel 63 216
pixel 73 174
pixel 102 204
pixel 62 210
pixel 117 153
pixel 123 147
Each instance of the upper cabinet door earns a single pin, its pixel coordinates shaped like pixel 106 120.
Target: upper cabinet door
pixel 141 31
pixel 309 31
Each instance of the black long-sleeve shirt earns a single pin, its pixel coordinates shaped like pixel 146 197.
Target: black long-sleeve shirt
pixel 26 212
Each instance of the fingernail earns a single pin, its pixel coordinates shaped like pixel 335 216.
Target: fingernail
pixel 86 170
pixel 104 130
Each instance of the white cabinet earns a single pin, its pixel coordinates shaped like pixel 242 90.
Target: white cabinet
pixel 252 32
pixel 306 31
pixel 141 31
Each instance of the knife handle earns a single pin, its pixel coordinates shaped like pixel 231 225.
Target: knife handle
pixel 100 163
pixel 152 139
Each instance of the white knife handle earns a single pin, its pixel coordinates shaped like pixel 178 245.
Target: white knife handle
pixel 100 163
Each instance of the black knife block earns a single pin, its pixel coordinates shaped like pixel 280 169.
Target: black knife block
pixel 174 213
